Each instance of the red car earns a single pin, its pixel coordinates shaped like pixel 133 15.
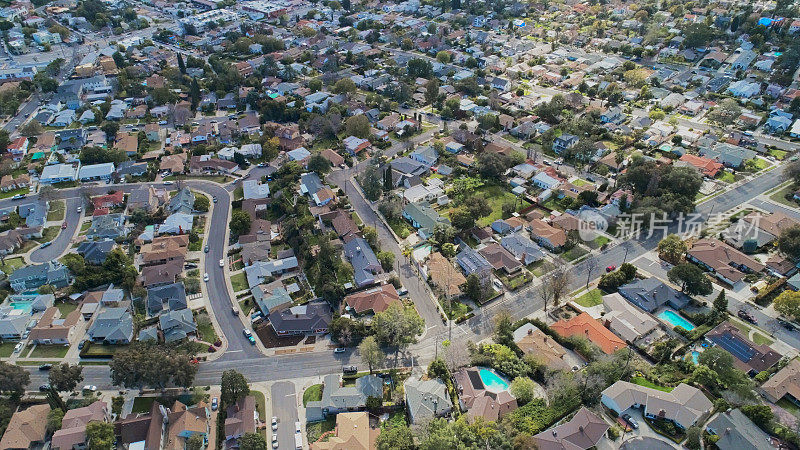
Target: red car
pixel 611 268
pixel 64 225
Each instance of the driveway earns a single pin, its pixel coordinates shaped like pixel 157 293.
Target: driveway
pixel 63 241
pixel 644 437
pixel 284 407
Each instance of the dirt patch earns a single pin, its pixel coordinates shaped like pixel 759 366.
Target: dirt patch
pixel 272 340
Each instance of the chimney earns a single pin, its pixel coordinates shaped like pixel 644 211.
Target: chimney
pixel 530 332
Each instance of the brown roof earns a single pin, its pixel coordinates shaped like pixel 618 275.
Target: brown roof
pixel 26 427
pixel 240 417
pixel 344 224
pixel 353 432
pixel 479 401
pixel 375 299
pixel 566 222
pixel 445 275
pixel 332 156
pixel 181 419
pixel 51 327
pixel 535 341
pixel 499 257
pixel 786 381
pixel 162 273
pixel 73 425
pixel 720 257
pixel 586 326
pixel 173 163
pixel 756 357
pixel 773 223
pixel 541 229
pixel 127 142
pixel 145 428
pixel 582 432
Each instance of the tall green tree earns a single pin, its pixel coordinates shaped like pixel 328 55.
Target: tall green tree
pixel 100 435
pixel 64 377
pixel 234 387
pixel 13 380
pixel 721 303
pixel 252 441
pixel 194 92
pixel 691 278
pixel 371 353
pixel 397 326
pixel 181 64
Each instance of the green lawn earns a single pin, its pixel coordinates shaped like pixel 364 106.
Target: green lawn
pixel 85 226
pixel 779 196
pixel 207 332
pixel 727 177
pixel 246 308
pixel 142 404
pixel 578 182
pixel 238 193
pixel 591 298
pixel 56 210
pixel 646 383
pixel 497 196
pixel 574 253
pixel 6 348
pixel 8 194
pixel 49 351
pixel 65 308
pixel 760 339
pixel 239 282
pixel 313 393
pixel 539 268
pixel 778 154
pixel 48 234
pixel 789 406
pixel 11 264
pixel 261 404
pixel 759 164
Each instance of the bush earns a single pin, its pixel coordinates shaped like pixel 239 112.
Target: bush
pixel 613 433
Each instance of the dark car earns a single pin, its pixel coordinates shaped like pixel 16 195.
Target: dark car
pixel 44 387
pixel 631 421
pixel 81 344
pixel 744 315
pixel 45 367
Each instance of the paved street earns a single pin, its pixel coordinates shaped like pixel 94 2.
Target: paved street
pixel 63 241
pixel 284 407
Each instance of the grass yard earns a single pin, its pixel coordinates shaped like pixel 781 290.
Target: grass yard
pixel 759 164
pixel 496 196
pixel 743 327
pixel 48 351
pixel 9 265
pixel 238 193
pixel 578 182
pixel 143 404
pixel 780 196
pixel 239 282
pixel 261 404
pixel 246 305
pixel 516 281
pixel 727 177
pixel 591 298
pixel 760 339
pixel 85 226
pixel 598 242
pixel 456 309
pixel 539 268
pixel 317 429
pixel 574 253
pixel 6 349
pixel 313 393
pixel 65 308
pixel 57 210
pixel 207 332
pixel 646 383
pixel 48 234
pixel 789 406
pixel 778 154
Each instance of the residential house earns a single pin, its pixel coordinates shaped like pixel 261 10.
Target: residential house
pixel 311 185
pixel 182 202
pixel 171 297
pixel 143 431
pixel 624 319
pixel 355 145
pixel 423 218
pixel 480 400
pixel 73 425
pixel 53 329
pixel 546 235
pixel 584 325
pixel 425 154
pixel 365 263
pixel 184 422
pixel 259 270
pixel 786 382
pixel 564 142
pixel 27 428
pixel 749 357
pixel 582 432
pixel 337 398
pixel 684 406
pixel 252 189
pixel 444 275
pixel 725 262
pixel 373 300
pixel 33 276
pixel 241 418
pixel 271 297
pixel 525 250
pixel 473 262
pixel 532 340
pixel 176 325
pixel 112 326
pixel 651 294
pixel 113 200
pixel 735 430
pixel 312 318
pixel 146 198
pixel 353 431
pixel 94 172
pixel 500 258
pixel 426 399
pixel 109 226
pixel 57 173
pixel 708 167
pixel 728 154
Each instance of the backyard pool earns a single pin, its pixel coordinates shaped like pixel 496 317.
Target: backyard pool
pixel 24 306
pixel 492 381
pixel 675 319
pixel 696 357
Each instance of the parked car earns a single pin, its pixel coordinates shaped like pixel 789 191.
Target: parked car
pixel 44 388
pixel 222 263
pixel 611 268
pixel 402 292
pixel 214 403
pixel 64 225
pixel 339 350
pixel 46 244
pixel 45 367
pixel 80 209
pixel 274 440
pixel 205 249
pixel 168 183
pixel 235 311
pixel 81 344
pixel 18 197
pixel 90 388
pixel 205 277
pixel 744 315
pixel 349 369
pixel 274 423
pixel 631 421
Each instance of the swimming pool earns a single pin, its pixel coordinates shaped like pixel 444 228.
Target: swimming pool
pixel 696 357
pixel 492 381
pixel 22 305
pixel 675 319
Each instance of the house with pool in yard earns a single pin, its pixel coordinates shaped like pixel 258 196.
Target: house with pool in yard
pixel 484 393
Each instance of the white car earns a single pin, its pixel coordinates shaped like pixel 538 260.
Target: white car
pixel 274 423
pixel 90 388
pixel 222 263
pixel 274 440
pixel 205 277
pixel 168 183
pixel 18 347
pixel 79 209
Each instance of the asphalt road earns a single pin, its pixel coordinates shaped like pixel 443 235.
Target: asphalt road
pixel 284 407
pixel 64 239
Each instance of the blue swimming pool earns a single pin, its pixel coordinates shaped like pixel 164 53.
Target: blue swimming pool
pixel 675 319
pixel 492 381
pixel 696 357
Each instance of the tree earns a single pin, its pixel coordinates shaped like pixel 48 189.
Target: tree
pixel 370 182
pixel 344 86
pixel 721 303
pixel 181 64
pixel 491 165
pixel 693 435
pixel 789 242
pixel 761 415
pixel 788 303
pixel 233 387
pixel 194 93
pixel 54 419
pixel 473 288
pixel 195 442
pixel 503 328
pixel 396 438
pixel 524 389
pixel 419 68
pixel 691 278
pixel 462 219
pixel 317 163
pixel 559 280
pixel 371 353
pixel 100 435
pixel 240 222
pixel 252 441
pixel 13 380
pixel 386 258
pixel 477 206
pixel 149 364
pixel 64 377
pixel 705 376
pixel 32 128
pixel 397 326
pixel 672 248
pixel 201 203
pixel 357 126
pixel 432 90
pixel 110 129
pixel 721 362
pixel 545 294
